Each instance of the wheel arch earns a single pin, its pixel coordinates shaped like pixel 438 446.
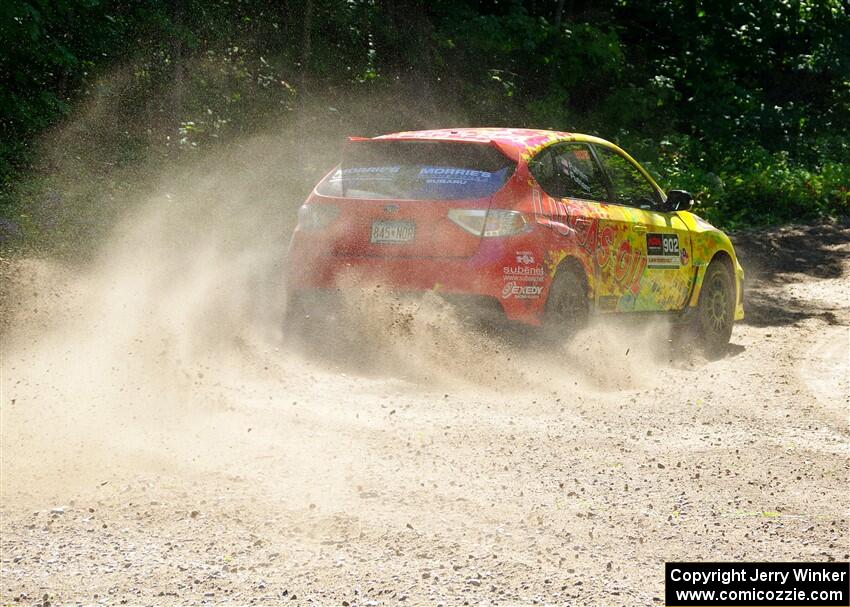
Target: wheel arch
pixel 723 257
pixel 719 256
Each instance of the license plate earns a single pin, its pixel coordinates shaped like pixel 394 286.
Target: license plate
pixel 392 232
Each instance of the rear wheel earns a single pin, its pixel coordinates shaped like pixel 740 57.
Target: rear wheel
pixel 567 307
pixel 716 309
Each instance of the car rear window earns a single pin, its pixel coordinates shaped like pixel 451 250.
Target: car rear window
pixel 418 170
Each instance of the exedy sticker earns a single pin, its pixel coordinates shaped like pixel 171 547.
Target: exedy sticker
pixel 662 250
pixel 512 289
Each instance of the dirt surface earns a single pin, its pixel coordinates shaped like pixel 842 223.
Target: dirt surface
pixel 159 449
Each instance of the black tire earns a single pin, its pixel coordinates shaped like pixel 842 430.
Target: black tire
pixel 716 310
pixel 567 306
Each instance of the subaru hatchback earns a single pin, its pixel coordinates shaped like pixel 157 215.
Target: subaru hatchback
pixel 544 227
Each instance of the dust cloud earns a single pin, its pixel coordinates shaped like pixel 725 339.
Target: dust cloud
pixel 181 311
pixel 137 354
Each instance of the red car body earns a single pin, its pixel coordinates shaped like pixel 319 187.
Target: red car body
pixel 435 244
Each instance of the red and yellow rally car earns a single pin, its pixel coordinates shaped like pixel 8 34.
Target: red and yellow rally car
pixel 547 227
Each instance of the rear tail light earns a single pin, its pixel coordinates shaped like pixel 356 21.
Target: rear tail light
pixel 316 216
pixel 471 220
pixel 492 223
pixel 504 223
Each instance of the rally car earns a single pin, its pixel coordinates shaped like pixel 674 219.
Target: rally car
pixel 545 227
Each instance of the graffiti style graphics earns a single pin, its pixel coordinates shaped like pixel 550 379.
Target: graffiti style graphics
pixel 499 213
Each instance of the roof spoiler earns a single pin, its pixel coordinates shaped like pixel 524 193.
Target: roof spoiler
pixel 509 152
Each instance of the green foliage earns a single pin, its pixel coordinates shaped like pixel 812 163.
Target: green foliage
pixel 744 102
pixel 750 185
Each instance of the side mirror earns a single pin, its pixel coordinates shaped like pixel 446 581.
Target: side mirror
pixel 679 200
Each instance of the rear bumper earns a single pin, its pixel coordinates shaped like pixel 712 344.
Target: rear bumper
pixel 484 279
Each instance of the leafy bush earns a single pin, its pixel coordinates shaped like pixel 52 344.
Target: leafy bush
pixel 744 103
pixel 737 186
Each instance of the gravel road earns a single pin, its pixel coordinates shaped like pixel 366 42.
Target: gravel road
pixel 156 452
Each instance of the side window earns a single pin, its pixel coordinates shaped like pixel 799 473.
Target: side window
pixel 568 171
pixel 630 186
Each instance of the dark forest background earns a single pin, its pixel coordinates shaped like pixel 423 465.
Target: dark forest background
pixel 746 103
